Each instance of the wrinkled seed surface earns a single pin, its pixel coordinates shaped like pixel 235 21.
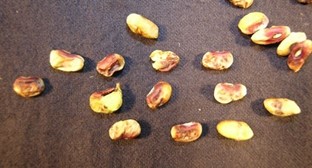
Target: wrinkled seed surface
pixel 186 132
pixel 110 64
pixel 164 60
pixel 106 101
pixel 217 60
pixel 125 129
pixel 28 86
pixel 159 94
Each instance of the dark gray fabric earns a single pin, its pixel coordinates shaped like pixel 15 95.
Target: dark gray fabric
pixel 58 128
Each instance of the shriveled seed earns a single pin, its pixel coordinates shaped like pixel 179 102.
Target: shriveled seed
pixel 217 60
pixel 110 64
pixel 159 94
pixel 106 101
pixel 28 86
pixel 186 132
pixel 164 60
pixel 125 129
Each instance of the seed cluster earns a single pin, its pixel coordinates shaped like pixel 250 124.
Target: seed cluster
pixel 294 44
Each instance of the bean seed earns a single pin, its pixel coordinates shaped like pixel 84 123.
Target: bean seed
pixel 186 132
pixel 164 60
pixel 138 24
pixel 242 3
pixel 283 48
pixel 298 55
pixel 65 61
pixel 106 101
pixel 28 86
pixel 159 95
pixel 236 130
pixel 125 129
pixel 274 34
pixel 253 22
pixel 217 60
pixel 225 93
pixel 110 64
pixel 281 107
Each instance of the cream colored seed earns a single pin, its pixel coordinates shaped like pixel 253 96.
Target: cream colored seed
pixel 283 48
pixel 217 60
pixel 242 3
pixel 281 107
pixel 106 101
pixel 125 129
pixel 138 24
pixel 65 61
pixel 164 60
pixel 236 130
pixel 253 22
pixel 225 93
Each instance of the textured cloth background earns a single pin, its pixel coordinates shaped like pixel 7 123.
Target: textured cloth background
pixel 58 128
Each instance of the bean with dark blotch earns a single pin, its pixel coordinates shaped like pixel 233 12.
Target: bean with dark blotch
pixel 159 94
pixel 110 64
pixel 217 60
pixel 28 86
pixel 186 132
pixel 225 93
pixel 274 34
pixel 281 107
pixel 299 54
